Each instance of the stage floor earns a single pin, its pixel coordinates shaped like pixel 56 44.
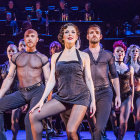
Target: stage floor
pixel 85 135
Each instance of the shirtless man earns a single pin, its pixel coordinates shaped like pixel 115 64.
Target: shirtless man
pixel 29 66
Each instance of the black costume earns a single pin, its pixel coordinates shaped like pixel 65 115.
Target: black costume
pixel 72 88
pixel 125 88
pixel 100 68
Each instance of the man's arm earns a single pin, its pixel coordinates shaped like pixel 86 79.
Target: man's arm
pixel 8 80
pixel 115 81
pixel 49 86
pixel 89 83
pixel 46 72
pixel 116 85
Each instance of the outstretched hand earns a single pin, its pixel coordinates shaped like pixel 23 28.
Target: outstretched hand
pixel 38 105
pixel 132 106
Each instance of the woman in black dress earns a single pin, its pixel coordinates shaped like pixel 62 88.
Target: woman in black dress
pixel 71 68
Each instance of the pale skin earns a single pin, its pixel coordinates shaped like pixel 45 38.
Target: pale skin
pixel 94 36
pixel 134 54
pixel 69 38
pixel 31 40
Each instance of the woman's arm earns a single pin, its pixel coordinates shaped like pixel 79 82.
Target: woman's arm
pixel 132 84
pixel 89 83
pixel 51 82
pixel 49 86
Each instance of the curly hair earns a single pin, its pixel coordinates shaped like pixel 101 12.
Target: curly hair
pixel 127 56
pixel 119 43
pixel 65 26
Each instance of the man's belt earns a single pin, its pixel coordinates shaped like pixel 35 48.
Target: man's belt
pixel 31 87
pixel 101 88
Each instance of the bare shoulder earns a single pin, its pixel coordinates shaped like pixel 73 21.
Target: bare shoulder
pixel 131 70
pixel 55 56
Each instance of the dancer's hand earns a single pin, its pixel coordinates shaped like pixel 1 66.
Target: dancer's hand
pixel 38 105
pixel 132 106
pixel 24 108
pixel 117 102
pixel 92 109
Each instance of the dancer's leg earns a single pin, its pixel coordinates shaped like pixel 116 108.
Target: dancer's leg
pixel 77 114
pixel 50 108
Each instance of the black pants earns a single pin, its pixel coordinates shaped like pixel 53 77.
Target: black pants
pixel 103 107
pixel 18 99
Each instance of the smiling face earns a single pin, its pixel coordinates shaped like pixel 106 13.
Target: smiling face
pixel 94 35
pixel 119 53
pixel 70 36
pixel 31 39
pixel 135 52
pixel 11 50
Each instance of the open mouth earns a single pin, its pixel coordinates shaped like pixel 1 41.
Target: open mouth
pixel 70 38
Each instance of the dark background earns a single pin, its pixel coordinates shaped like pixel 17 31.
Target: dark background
pixel 105 9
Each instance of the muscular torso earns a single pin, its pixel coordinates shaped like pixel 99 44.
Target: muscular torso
pixel 29 68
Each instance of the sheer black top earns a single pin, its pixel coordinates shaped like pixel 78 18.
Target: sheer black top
pixel 101 68
pixel 124 79
pixel 29 67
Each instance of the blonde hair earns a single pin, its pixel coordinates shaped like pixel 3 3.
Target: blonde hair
pixel 127 56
